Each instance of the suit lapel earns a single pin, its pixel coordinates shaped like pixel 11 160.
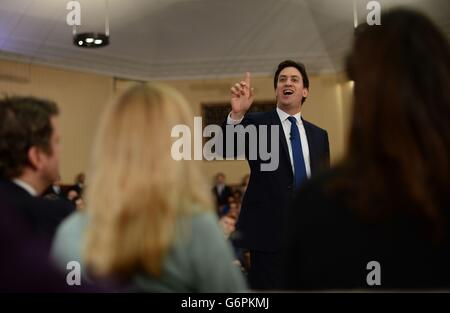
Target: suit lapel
pixel 312 152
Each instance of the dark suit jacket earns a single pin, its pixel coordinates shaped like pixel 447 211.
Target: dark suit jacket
pixel 328 246
pixel 269 193
pixel 24 263
pixel 222 199
pixel 42 216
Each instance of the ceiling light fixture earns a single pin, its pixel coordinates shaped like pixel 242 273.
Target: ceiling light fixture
pixel 93 39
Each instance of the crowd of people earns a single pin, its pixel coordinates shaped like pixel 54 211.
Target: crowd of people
pixel 228 203
pixel 144 222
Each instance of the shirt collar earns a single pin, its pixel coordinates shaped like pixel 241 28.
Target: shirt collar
pixel 283 116
pixel 25 186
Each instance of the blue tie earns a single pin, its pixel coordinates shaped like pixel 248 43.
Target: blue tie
pixel 297 154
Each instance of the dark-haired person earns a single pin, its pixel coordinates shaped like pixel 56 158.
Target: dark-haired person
pixel 79 185
pixel 389 201
pixel 221 192
pixel 303 151
pixel 29 161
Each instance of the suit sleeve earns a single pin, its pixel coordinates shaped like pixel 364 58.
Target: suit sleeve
pixel 232 141
pixel 326 163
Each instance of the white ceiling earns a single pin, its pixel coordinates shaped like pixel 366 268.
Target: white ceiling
pixel 178 39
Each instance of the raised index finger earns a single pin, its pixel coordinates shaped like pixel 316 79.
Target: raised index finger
pixel 247 78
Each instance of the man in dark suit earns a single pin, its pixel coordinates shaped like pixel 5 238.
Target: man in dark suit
pixel 304 151
pixel 221 192
pixel 79 185
pixel 25 265
pixel 29 162
pixel 54 191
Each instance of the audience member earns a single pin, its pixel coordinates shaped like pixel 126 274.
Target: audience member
pixel 72 194
pixel 237 195
pixel 29 161
pixel 149 219
pixel 79 183
pixel 228 225
pixel 221 191
pixel 388 202
pixel 79 203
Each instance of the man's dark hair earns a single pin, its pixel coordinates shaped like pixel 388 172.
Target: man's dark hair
pixel 24 123
pixel 299 66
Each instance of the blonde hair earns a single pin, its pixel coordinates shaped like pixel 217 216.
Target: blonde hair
pixel 136 190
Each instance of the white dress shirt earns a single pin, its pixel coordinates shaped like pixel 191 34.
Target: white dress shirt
pixel 220 188
pixel 304 140
pixel 25 186
pixel 287 130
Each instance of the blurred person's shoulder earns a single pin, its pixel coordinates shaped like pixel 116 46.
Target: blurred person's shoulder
pixel 66 245
pixel 204 218
pixel 322 183
pixel 324 197
pixel 201 224
pixel 74 222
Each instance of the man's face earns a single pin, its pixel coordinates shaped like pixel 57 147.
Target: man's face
pixel 290 89
pixel 72 194
pixel 234 208
pixel 228 225
pixel 79 204
pixel 50 161
pixel 220 179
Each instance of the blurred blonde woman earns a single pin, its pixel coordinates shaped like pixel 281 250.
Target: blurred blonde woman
pixel 148 219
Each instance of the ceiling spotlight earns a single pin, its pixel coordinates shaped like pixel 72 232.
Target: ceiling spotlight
pixel 91 40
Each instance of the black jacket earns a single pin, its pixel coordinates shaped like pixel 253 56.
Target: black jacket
pixel 42 216
pixel 269 193
pixel 328 245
